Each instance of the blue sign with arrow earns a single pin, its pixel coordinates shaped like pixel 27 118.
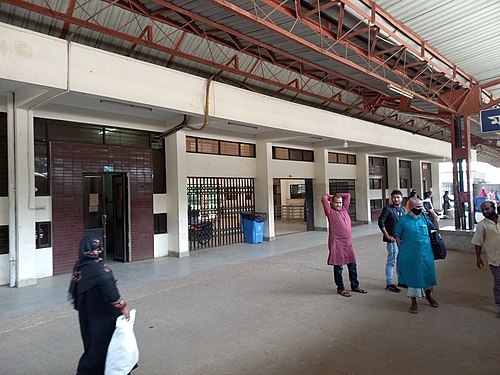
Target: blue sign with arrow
pixel 490 120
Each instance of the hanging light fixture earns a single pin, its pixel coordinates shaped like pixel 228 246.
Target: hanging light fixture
pixel 400 90
pixel 345 145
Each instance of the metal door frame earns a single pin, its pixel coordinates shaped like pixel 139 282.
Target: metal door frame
pixel 103 213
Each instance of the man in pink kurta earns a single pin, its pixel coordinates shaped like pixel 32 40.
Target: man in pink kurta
pixel 341 251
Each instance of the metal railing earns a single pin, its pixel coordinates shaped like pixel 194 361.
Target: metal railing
pixel 291 212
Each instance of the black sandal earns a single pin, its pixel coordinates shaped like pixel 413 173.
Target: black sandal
pixel 392 288
pixel 344 293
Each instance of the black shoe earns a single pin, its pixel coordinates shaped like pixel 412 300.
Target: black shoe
pixel 392 288
pixel 402 285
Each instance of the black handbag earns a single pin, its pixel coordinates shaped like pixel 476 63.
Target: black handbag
pixel 437 243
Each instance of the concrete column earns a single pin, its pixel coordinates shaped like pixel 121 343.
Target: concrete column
pixel 22 182
pixel 416 177
pixel 392 174
pixel 321 186
pixel 264 186
pixel 363 212
pixel 437 198
pixel 24 198
pixel 177 220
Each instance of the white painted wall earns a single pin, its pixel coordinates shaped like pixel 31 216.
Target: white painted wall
pixel 205 165
pixel 292 169
pixel 159 203
pixel 32 57
pixel 161 245
pixel 341 171
pixel 43 210
pixel 44 266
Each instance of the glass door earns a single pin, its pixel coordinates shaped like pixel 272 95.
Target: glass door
pixel 105 212
pixel 94 216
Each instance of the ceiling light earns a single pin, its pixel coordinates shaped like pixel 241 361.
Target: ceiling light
pixel 400 90
pixel 345 145
pixel 242 125
pixel 134 106
pixel 423 116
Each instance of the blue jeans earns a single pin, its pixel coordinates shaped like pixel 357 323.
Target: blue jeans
pixel 495 271
pixel 392 255
pixel 353 276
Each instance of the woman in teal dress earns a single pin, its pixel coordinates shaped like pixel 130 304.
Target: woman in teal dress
pixel 415 259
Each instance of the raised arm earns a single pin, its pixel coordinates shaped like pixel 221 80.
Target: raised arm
pixel 325 200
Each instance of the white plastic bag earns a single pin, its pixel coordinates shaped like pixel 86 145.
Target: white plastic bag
pixel 123 353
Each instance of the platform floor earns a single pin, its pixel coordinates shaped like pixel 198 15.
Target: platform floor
pixel 269 309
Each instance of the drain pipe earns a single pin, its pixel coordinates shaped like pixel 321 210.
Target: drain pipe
pixel 184 123
pixel 11 168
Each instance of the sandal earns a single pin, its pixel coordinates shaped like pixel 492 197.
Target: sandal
pixel 412 311
pixel 344 293
pixel 433 302
pixel 359 290
pixel 392 288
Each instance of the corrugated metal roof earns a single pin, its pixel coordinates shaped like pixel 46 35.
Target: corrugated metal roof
pixel 466 32
pixel 307 59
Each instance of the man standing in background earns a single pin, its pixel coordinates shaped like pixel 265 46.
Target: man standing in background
pixel 387 224
pixel 487 236
pixel 446 203
pixel 340 247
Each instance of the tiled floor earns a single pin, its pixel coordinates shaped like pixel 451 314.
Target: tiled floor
pixel 268 309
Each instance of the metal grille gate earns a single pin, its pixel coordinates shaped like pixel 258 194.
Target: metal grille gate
pixel 214 207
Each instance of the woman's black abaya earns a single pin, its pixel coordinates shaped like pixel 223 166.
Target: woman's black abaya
pixel 96 297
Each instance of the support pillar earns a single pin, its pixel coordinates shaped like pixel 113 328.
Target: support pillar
pixel 392 175
pixel 321 186
pixel 461 158
pixel 363 211
pixel 416 177
pixel 264 186
pixel 177 216
pixel 23 212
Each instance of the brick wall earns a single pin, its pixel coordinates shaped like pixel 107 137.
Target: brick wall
pixel 68 162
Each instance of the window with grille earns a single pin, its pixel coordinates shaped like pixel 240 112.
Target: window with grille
pixel 375 183
pixel 339 158
pixel 219 147
pixel 284 153
pixel 376 204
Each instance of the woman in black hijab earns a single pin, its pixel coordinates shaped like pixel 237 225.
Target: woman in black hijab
pixel 96 297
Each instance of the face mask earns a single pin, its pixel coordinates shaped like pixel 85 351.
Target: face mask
pixel 416 211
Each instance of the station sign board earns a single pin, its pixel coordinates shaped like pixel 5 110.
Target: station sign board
pixel 490 120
